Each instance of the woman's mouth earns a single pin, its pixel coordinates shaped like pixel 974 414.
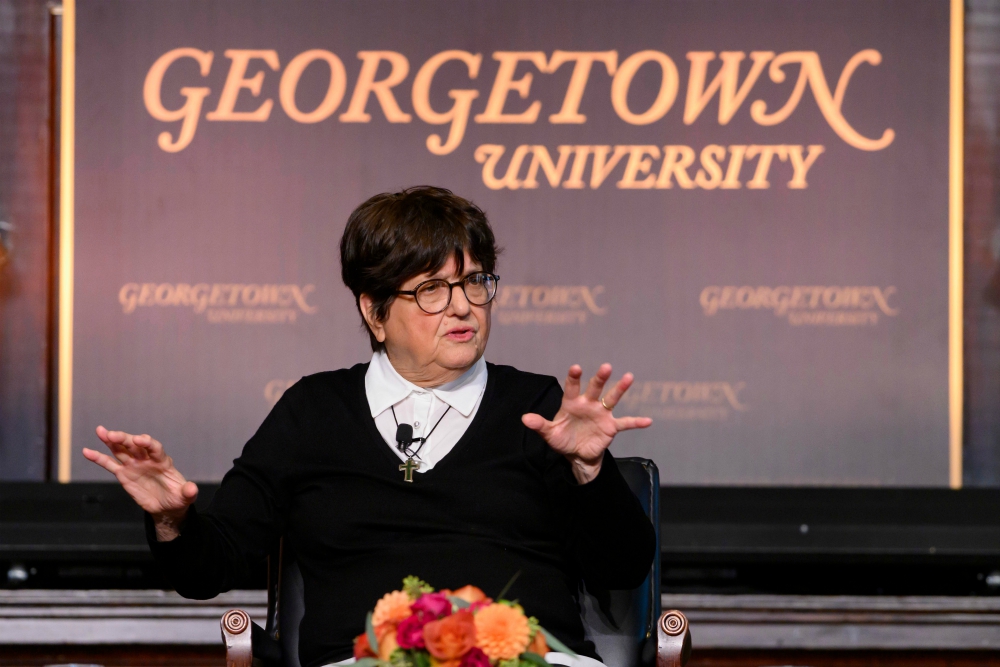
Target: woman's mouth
pixel 460 335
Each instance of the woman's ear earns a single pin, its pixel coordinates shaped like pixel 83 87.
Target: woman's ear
pixel 368 312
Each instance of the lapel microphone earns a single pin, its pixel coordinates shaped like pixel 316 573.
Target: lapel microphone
pixel 404 436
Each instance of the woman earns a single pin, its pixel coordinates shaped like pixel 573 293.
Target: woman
pixel 472 496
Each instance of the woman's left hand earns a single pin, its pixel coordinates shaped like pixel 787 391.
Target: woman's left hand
pixel 584 427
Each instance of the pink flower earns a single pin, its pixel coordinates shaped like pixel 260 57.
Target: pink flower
pixel 410 633
pixel 431 606
pixel 475 658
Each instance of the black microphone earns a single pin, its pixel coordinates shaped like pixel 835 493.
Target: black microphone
pixel 404 436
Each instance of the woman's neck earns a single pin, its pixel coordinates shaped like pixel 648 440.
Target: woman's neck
pixel 428 376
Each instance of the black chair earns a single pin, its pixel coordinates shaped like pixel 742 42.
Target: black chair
pixel 627 627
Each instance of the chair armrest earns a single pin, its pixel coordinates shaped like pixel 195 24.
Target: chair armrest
pixel 238 638
pixel 247 644
pixel 673 640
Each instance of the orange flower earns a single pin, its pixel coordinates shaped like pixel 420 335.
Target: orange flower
pixel 468 593
pixel 538 645
pixel 451 637
pixel 386 645
pixel 392 608
pixel 502 632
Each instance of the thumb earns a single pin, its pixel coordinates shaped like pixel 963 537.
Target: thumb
pixel 189 492
pixel 535 422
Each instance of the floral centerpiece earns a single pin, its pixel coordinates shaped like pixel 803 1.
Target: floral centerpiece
pixel 418 627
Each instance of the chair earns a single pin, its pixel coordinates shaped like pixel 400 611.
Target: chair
pixel 626 626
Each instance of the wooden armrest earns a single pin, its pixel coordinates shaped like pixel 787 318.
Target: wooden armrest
pixel 673 640
pixel 237 636
pixel 247 644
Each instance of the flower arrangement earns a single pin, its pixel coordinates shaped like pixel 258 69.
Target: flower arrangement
pixel 418 627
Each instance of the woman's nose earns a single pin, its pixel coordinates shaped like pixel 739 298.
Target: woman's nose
pixel 460 305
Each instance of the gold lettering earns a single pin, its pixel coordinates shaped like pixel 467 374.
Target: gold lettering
pixel 676 160
pixel 504 83
pixel 732 180
pixel 623 80
pixel 800 166
pixel 766 153
pixel 602 165
pixel 334 92
pixel 489 154
pixel 458 115
pixel 366 85
pixel 710 176
pixel 575 180
pixel 724 83
pixel 553 172
pixel 189 113
pixel 570 112
pixel 128 296
pixel 811 72
pixel 236 81
pixel 639 164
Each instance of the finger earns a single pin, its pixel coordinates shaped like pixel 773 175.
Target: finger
pixel 151 445
pixel 103 460
pixel 612 397
pixel 135 451
pixel 629 423
pixel 596 384
pixel 189 492
pixel 572 389
pixel 536 423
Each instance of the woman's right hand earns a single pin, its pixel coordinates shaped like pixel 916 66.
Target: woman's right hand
pixel 149 476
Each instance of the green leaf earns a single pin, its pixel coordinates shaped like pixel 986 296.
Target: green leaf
pixel 368 662
pixel 458 602
pixel 415 587
pixel 370 631
pixel 420 659
pixel 555 644
pixel 534 659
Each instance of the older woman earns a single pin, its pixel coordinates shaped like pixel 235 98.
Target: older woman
pixel 503 471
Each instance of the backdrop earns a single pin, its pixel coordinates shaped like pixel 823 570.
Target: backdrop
pixel 743 203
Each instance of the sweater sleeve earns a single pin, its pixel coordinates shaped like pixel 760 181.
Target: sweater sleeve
pixel 218 549
pixel 609 534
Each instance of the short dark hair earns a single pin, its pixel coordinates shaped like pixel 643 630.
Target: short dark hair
pixel 397 235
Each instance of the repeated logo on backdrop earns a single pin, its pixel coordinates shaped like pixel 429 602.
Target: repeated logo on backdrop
pixel 223 302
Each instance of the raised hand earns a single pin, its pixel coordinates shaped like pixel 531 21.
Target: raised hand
pixel 149 476
pixel 584 426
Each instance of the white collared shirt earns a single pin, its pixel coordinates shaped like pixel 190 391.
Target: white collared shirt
pixel 421 407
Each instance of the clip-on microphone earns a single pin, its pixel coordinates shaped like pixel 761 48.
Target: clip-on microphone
pixel 404 436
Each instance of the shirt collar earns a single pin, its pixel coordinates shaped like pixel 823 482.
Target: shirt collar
pixel 385 387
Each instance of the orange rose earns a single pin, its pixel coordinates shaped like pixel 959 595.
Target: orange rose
pixel 468 593
pixel 502 632
pixel 538 645
pixel 392 608
pixel 451 637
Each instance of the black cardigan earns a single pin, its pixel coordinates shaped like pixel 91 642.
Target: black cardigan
pixel 318 472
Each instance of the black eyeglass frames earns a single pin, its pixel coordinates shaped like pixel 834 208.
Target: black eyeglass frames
pixel 433 296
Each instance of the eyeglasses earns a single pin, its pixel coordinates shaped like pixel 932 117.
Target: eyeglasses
pixel 433 296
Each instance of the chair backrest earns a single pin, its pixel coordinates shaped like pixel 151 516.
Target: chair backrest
pixel 622 624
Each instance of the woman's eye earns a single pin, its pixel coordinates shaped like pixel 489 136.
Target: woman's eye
pixel 430 289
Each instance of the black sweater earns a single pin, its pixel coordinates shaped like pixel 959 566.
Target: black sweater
pixel 502 501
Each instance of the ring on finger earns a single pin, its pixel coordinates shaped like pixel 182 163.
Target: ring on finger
pixel 606 406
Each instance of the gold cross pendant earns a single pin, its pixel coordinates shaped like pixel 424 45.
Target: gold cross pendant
pixel 408 469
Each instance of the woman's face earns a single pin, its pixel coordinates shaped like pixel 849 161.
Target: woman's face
pixel 429 350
